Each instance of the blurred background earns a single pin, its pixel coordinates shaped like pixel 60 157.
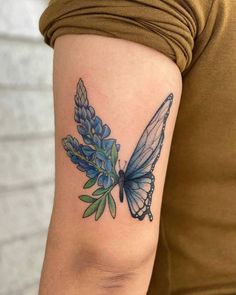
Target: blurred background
pixel 26 146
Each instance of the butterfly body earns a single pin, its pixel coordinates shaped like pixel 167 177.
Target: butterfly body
pixel 121 182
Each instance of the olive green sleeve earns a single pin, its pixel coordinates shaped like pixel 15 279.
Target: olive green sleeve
pixel 167 26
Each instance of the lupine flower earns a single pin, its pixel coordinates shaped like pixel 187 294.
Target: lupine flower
pixel 94 158
pixel 82 156
pixel 90 126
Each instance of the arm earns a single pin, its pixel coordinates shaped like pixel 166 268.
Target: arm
pixel 126 83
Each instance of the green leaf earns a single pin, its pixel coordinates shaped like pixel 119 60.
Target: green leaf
pixel 114 154
pixel 99 191
pixel 92 208
pixel 87 199
pixel 112 205
pixel 101 208
pixel 90 182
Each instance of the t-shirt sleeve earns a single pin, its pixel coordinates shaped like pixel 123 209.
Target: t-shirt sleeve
pixel 169 26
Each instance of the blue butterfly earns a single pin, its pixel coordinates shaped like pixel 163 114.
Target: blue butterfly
pixel 98 159
pixel 137 181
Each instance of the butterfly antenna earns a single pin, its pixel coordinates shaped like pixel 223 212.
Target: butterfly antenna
pixel 125 165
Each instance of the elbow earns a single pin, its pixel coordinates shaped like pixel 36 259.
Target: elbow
pixel 123 255
pixel 114 264
pixel 115 270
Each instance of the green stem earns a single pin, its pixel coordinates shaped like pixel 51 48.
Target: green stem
pixel 109 190
pixel 112 174
pixel 91 163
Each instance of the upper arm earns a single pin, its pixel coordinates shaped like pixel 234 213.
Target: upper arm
pixel 126 83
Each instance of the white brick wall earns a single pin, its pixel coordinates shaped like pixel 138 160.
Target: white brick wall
pixel 30 112
pixel 28 66
pixel 27 161
pixel 20 263
pixel 19 18
pixel 26 213
pixel 26 146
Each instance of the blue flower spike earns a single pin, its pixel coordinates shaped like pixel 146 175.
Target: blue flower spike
pixel 94 158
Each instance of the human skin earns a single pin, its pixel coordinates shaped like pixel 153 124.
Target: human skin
pixel 126 84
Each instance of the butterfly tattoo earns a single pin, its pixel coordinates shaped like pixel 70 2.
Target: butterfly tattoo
pixel 97 157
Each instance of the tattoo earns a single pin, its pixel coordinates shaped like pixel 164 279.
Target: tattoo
pixel 98 158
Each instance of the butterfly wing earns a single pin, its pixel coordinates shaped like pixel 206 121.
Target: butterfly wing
pixel 139 179
pixel 138 192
